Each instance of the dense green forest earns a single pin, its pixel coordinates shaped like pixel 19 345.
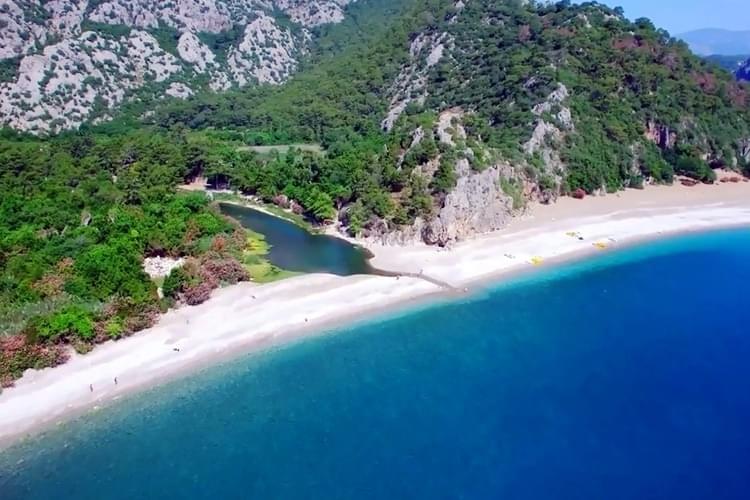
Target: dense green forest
pixel 80 211
pixel 507 58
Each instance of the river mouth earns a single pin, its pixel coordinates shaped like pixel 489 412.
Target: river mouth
pixel 295 249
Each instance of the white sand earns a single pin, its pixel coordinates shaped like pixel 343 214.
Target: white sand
pixel 608 221
pixel 246 316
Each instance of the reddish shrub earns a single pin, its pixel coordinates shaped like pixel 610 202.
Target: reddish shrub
pixel 524 33
pixel 219 243
pixel 49 285
pixel 579 194
pixel 738 94
pixel 281 200
pixel 18 355
pixel 296 207
pixel 197 294
pixel 141 321
pixel 65 265
pixel 706 81
pixel 225 271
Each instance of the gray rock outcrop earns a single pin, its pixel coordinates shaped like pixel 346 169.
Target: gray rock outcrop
pixel 476 205
pixel 71 67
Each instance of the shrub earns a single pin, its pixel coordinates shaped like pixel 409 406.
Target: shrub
pixel 228 271
pixel 695 168
pixel 17 355
pixel 174 282
pixel 71 321
pixel 114 328
pixel 197 294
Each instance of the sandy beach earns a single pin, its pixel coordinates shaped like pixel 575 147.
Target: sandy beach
pixel 248 317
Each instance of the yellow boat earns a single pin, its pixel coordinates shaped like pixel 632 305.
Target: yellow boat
pixel 537 261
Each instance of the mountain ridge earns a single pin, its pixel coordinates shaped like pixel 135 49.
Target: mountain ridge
pixel 70 61
pixel 542 100
pixel 717 41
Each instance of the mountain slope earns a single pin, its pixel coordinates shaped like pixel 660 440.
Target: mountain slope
pixel 729 63
pixel 469 109
pixel 712 41
pixel 69 61
pixel 743 72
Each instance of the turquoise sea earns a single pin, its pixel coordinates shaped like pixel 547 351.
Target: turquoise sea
pixel 623 377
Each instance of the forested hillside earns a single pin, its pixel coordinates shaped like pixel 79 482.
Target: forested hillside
pixel 562 97
pixel 436 120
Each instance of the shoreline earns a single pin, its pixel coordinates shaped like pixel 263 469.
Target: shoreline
pixel 248 318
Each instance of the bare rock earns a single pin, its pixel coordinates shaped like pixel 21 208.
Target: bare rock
pixel 661 135
pixel 425 51
pixel 266 54
pixel 195 52
pixel 179 90
pixel 476 205
pixel 66 77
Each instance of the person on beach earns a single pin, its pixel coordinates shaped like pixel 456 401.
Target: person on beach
pixel 91 387
pixel 115 380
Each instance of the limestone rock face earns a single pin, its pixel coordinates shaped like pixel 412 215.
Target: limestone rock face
pixel 267 53
pixel 312 14
pixel 410 85
pixel 476 205
pixel 58 88
pixel 660 135
pixel 195 52
pixel 77 60
pixel 179 90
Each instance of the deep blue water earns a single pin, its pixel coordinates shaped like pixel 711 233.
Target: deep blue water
pixel 295 249
pixel 627 377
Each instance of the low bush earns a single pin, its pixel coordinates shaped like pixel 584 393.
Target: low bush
pixel 18 354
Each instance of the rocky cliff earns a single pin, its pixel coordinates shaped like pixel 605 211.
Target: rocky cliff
pixel 743 73
pixel 65 62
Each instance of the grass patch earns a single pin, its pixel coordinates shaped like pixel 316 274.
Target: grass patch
pixel 254 260
pixel 265 272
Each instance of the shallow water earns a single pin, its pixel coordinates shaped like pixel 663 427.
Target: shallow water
pixel 624 377
pixel 295 249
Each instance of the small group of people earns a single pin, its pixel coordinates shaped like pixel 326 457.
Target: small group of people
pixel 91 386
